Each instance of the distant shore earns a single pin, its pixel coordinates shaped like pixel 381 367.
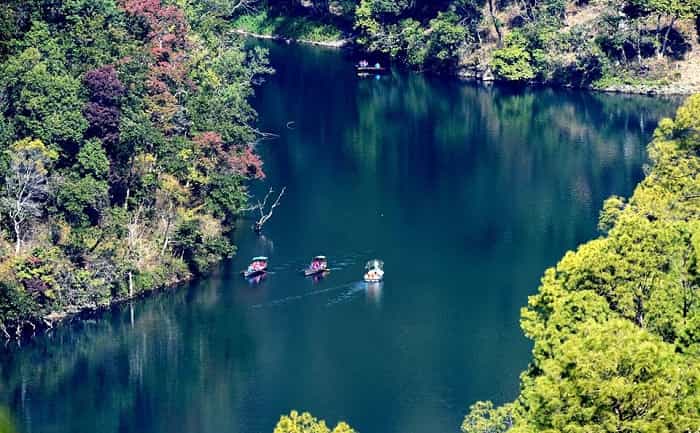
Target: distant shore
pixel 469 76
pixel 341 43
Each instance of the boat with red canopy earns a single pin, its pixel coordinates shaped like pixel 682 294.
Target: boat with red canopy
pixel 318 266
pixel 257 266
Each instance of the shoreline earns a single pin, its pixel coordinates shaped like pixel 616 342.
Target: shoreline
pixel 341 43
pixel 625 89
pixel 30 328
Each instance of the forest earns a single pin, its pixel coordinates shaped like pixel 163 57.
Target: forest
pixel 615 324
pixel 125 148
pixel 582 43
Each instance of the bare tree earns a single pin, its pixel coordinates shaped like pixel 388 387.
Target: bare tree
pixel 169 196
pixel 136 231
pixel 265 212
pixel 228 8
pixel 494 20
pixel 26 186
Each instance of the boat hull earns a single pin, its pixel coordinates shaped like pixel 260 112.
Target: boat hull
pixel 311 273
pixel 371 71
pixel 253 274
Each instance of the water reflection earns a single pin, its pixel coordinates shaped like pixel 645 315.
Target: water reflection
pixel 7 424
pixel 374 292
pixel 254 281
pixel 317 278
pixel 128 370
pixel 466 193
pixel 265 245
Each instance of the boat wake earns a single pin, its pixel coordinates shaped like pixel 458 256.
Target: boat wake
pixel 338 263
pixel 348 295
pixel 293 298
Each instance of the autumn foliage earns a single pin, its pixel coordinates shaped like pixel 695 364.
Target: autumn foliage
pixel 129 126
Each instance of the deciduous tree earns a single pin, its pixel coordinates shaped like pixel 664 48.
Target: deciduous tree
pixel 26 185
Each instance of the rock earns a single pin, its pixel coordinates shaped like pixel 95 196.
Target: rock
pixel 488 75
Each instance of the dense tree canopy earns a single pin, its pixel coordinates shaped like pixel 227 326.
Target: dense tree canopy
pixel 307 423
pixel 126 142
pixel 576 43
pixel 615 324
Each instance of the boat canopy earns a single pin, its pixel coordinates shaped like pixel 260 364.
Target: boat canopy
pixel 260 259
pixel 320 259
pixel 374 264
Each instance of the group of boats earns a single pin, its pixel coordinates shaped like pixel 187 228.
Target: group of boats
pixel 364 69
pixel 374 269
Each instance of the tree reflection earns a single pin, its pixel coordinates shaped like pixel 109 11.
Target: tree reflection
pixel 128 377
pixel 7 424
pixel 568 149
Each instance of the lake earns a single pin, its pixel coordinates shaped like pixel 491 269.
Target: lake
pixel 466 192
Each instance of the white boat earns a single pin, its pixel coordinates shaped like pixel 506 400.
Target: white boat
pixel 374 271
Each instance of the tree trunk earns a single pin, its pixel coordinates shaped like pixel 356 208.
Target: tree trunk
pixel 4 331
pixel 668 30
pixel 639 311
pixel 495 23
pixel 165 245
pixel 126 198
pixel 18 237
pixel 639 44
pixel 166 237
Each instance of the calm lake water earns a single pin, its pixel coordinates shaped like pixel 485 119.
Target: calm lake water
pixel 467 193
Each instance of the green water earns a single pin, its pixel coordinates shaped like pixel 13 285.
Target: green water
pixel 467 193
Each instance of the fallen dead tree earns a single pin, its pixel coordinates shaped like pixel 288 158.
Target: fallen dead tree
pixel 265 212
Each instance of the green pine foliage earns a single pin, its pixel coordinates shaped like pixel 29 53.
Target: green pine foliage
pixel 616 323
pixel 307 423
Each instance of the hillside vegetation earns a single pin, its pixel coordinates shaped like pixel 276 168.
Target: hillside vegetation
pixel 124 147
pixel 627 45
pixel 616 324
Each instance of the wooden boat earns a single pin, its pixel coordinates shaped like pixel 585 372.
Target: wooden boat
pixel 370 70
pixel 257 267
pixel 318 266
pixel 374 271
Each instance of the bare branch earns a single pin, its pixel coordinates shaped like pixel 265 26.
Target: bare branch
pixel 264 135
pixel 690 197
pixel 265 212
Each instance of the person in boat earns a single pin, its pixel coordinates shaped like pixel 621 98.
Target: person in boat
pixel 375 274
pixel 318 263
pixel 375 271
pixel 377 66
pixel 257 265
pixel 364 63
